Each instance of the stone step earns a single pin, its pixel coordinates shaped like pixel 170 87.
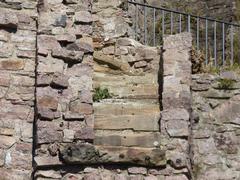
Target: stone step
pixel 129 140
pixel 119 108
pixel 131 91
pixel 143 122
pixel 125 79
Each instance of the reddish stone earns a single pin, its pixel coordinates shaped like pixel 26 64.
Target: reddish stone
pixel 79 107
pixel 12 65
pixel 48 102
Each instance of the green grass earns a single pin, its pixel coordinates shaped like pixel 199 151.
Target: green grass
pixel 226 83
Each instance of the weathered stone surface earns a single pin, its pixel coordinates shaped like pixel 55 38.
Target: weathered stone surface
pixel 6 142
pixel 137 170
pixel 12 65
pixel 59 81
pixel 79 107
pixel 86 153
pixel 135 122
pixel 83 17
pixel 129 139
pixel 68 55
pixel 48 102
pixel 84 44
pixel 8 19
pixel 73 116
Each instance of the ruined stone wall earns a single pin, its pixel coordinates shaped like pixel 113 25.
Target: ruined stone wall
pixel 54 55
pixel 216 105
pixel 17 79
pixel 64 81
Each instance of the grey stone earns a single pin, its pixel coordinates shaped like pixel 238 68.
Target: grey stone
pixel 61 21
pixel 8 18
pixel 59 81
pixel 83 17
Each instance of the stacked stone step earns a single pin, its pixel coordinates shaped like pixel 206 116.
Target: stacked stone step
pixel 130 117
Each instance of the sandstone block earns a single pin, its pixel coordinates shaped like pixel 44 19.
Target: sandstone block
pixel 84 44
pixel 48 102
pixel 87 153
pixel 68 55
pixel 137 170
pixel 177 128
pixel 79 107
pixel 6 141
pixel 68 135
pixel 8 19
pixel 13 65
pixel 85 133
pixel 83 17
pixel 59 81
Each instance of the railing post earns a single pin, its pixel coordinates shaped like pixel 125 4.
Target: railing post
pixel 171 23
pixel 223 43
pixel 136 21
pixel 180 23
pixel 145 25
pixel 163 23
pixel 189 23
pixel 154 27
pixel 215 43
pixel 197 33
pixel 206 41
pixel 232 50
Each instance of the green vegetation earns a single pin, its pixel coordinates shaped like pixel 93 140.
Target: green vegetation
pixel 100 94
pixel 217 70
pixel 226 83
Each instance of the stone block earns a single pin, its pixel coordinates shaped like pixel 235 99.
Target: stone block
pixel 87 153
pixel 48 102
pixel 137 170
pixel 123 122
pixel 6 142
pixel 59 81
pixel 83 17
pixel 84 44
pixel 13 65
pixel 79 107
pixel 68 55
pixel 8 18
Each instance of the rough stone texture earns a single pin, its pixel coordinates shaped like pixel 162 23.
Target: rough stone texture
pixel 17 66
pixel 85 44
pixel 176 96
pixel 64 78
pixel 216 127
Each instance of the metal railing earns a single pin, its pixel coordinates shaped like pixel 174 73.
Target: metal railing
pixel 218 40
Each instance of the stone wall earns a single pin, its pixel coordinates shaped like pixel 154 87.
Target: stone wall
pixel 17 79
pixel 216 105
pixel 64 81
pixel 57 56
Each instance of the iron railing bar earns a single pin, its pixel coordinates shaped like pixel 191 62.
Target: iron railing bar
pixel 206 41
pixel 136 19
pixel 223 44
pixel 189 23
pixel 163 23
pixel 215 43
pixel 145 25
pixel 171 28
pixel 180 23
pixel 186 14
pixel 197 33
pixel 232 52
pixel 154 27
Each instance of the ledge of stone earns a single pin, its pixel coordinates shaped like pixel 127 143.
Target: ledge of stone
pixel 88 154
